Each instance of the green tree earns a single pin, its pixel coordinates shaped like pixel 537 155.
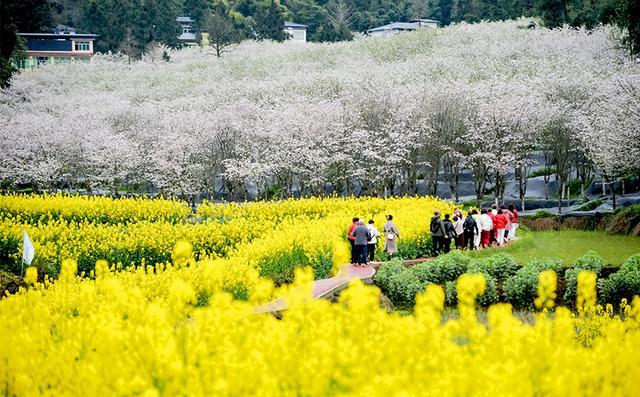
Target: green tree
pixel 197 10
pixel 330 33
pixel 628 17
pixel 553 12
pixel 19 16
pixel 307 12
pixel 222 33
pixel 269 22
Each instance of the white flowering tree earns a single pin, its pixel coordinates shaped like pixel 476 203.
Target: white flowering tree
pixel 373 116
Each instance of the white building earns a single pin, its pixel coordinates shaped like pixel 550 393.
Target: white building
pixel 187 34
pixel 399 27
pixel 296 31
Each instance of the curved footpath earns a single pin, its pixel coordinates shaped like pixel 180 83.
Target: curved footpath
pixel 326 287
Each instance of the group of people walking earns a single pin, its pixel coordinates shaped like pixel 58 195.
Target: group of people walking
pixel 365 238
pixel 479 229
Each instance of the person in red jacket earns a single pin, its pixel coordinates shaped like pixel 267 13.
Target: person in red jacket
pixel 500 225
pixel 352 240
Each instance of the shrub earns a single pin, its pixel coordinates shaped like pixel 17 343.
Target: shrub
pixel 398 284
pixel 401 284
pixel 625 283
pixel 541 214
pixel 501 266
pixel 590 262
pixel 521 289
pixel 442 269
pixel 427 272
pixel 382 278
pixel 403 288
pixel 489 297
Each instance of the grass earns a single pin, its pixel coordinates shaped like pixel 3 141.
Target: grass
pixel 567 245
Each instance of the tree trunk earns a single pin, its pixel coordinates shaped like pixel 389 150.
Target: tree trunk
pixel 546 187
pixel 560 197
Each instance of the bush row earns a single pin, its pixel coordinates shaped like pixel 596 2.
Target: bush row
pixel 506 280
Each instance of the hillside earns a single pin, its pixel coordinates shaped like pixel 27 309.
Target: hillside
pixel 369 116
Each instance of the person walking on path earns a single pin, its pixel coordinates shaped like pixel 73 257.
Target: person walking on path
pixel 471 230
pixel 436 227
pixel 374 233
pixel 352 227
pixel 507 229
pixel 449 234
pixel 486 228
pixel 391 235
pixel 478 235
pixel 458 223
pixel 493 234
pixel 514 222
pixel 500 226
pixel 361 238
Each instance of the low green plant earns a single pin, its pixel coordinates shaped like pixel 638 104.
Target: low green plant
pixel 501 266
pixel 521 289
pixel 488 298
pixel 592 205
pixel 623 284
pixel 540 214
pixel 590 261
pixel 544 171
pixel 382 278
pixel 442 269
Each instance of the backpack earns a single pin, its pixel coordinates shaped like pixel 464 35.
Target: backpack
pixel 469 225
pixel 450 231
pixel 435 226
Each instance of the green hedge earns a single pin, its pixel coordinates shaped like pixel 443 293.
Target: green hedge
pixel 590 261
pixel 519 285
pixel 623 284
pixel 521 289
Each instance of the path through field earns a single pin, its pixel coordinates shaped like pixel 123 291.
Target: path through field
pixel 325 287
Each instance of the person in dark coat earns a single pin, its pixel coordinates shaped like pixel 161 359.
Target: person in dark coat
pixel 449 233
pixel 438 232
pixel 361 237
pixel 471 229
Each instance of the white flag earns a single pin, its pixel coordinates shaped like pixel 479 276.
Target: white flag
pixel 28 251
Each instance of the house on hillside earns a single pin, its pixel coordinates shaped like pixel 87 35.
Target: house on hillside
pixel 398 27
pixel 297 32
pixel 188 34
pixel 64 45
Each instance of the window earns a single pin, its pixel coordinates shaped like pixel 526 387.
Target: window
pixel 62 60
pixel 42 60
pixel 82 46
pixel 186 29
pixel 299 35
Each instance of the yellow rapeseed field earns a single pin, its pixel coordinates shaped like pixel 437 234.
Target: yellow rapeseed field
pixel 186 325
pixel 273 236
pixel 142 333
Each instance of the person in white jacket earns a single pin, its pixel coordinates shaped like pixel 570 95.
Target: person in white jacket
pixel 486 225
pixel 371 245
